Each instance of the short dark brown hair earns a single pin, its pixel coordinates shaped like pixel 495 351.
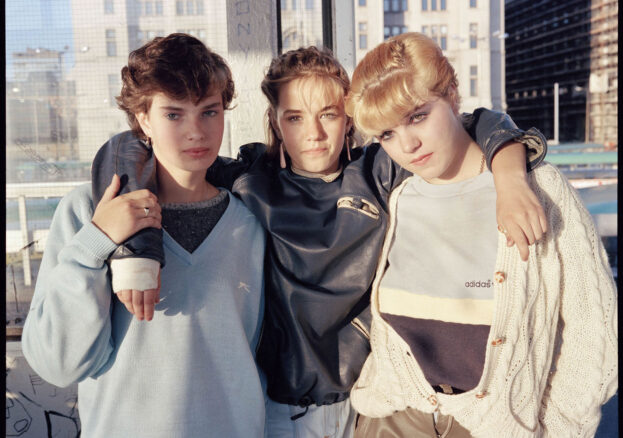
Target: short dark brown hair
pixel 177 65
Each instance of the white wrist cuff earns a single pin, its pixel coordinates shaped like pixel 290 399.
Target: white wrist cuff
pixel 134 273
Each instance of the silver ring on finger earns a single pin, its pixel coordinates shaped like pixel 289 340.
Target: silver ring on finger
pixel 146 210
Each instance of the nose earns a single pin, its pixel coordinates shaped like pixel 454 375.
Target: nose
pixel 195 129
pixel 409 143
pixel 315 130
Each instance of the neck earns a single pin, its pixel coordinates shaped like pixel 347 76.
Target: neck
pixel 183 187
pixel 466 164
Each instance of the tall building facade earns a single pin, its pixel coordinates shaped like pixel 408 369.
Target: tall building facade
pixel 601 123
pixel 368 26
pixel 471 34
pixel 105 31
pixel 549 42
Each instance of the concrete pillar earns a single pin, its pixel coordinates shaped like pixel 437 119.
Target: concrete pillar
pixel 251 45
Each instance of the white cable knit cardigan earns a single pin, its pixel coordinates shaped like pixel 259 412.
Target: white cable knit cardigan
pixel 551 358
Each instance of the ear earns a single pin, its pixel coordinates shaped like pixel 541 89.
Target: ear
pixel 453 98
pixel 349 123
pixel 143 121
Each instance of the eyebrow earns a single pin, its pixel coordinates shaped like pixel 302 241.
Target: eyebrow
pixel 296 111
pixel 177 108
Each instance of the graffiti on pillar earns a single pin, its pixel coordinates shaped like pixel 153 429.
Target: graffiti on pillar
pixel 34 408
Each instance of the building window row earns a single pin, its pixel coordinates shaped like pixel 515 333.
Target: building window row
pixel 189 7
pixel 395 5
pixel 144 36
pixel 433 5
pixel 438 33
pixel 390 31
pixel 295 4
pixel 149 8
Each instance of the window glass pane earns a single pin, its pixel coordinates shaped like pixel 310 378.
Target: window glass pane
pixel 433 5
pixel 442 5
pixel 386 5
pixel 424 5
pixel 363 26
pixel 301 27
pixel 362 3
pixel 386 32
pixel 309 4
pixel 63 72
pixel 472 3
pixel 395 5
pixel 473 87
pixel 473 35
pixel 109 7
pixel 363 41
pixel 404 5
pixel 424 30
pixel 443 43
pixel 473 70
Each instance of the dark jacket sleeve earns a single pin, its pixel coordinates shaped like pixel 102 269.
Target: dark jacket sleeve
pixel 134 162
pixel 492 129
pixel 226 170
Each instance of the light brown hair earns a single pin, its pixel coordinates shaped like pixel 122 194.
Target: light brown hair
pixel 304 63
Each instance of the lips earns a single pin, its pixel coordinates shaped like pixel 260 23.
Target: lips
pixel 421 160
pixel 196 152
pixel 316 151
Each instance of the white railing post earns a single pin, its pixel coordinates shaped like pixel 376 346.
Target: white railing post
pixel 23 225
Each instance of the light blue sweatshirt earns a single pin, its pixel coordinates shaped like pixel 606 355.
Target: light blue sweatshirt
pixel 190 372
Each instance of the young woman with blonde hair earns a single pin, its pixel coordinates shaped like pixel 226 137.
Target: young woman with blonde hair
pixel 464 345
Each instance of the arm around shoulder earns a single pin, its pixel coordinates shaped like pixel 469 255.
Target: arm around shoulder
pixel 67 334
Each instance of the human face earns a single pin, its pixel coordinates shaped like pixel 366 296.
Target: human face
pixel 185 136
pixel 311 123
pixel 431 142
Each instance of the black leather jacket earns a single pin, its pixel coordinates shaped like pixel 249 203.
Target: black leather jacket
pixel 324 239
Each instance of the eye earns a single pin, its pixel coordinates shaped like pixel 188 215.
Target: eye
pixel 294 118
pixel 328 116
pixel 386 135
pixel 210 113
pixel 416 118
pixel 172 116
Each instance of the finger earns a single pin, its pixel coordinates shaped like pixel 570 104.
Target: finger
pixel 137 303
pixel 125 296
pixel 148 222
pixel 158 289
pixel 149 300
pixel 543 221
pixel 516 234
pixel 535 223
pixel 112 190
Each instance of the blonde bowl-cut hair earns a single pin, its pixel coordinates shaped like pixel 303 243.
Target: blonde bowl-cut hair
pixel 395 77
pixel 308 63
